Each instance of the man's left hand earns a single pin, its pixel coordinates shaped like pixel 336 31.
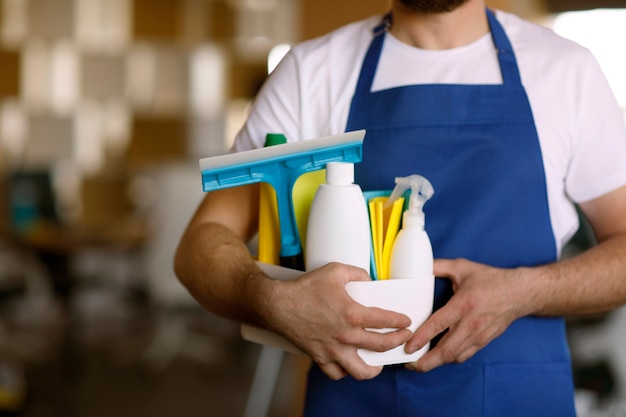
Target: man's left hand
pixel 486 301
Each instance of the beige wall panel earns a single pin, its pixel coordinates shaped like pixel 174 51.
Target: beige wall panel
pixel 245 78
pixel 157 139
pixel 321 16
pixel 157 19
pixel 220 20
pixel 103 76
pixel 50 140
pixel 567 5
pixel 51 19
pixel 10 67
pixel 104 200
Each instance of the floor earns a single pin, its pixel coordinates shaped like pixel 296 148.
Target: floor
pixel 105 353
pixel 109 350
pixel 129 358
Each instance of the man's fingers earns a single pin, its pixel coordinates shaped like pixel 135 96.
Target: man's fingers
pixel 440 321
pixel 333 371
pixel 451 348
pixel 377 318
pixel 462 341
pixel 377 330
pixel 382 342
pixel 453 269
pixel 351 365
pixel 366 372
pixel 443 267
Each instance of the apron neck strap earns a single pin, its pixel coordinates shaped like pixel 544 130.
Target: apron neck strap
pixel 370 62
pixel 506 56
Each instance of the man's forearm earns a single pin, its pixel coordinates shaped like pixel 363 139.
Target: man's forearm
pixel 214 264
pixel 590 283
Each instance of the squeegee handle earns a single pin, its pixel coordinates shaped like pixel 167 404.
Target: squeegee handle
pixel 293 262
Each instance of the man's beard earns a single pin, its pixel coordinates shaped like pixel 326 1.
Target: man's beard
pixel 432 6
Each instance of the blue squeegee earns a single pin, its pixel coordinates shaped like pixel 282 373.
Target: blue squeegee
pixel 281 166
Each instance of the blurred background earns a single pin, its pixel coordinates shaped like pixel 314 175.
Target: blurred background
pixel 105 108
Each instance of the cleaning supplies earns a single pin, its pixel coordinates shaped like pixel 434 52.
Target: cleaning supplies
pixel 338 227
pixel 385 224
pixel 281 166
pixel 412 253
pixel 303 193
pixel 269 228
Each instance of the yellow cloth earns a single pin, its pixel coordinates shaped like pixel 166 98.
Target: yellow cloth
pixel 385 223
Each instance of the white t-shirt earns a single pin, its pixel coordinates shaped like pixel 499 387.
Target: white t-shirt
pixel 580 125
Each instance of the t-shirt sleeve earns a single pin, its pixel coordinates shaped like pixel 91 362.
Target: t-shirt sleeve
pixel 598 164
pixel 276 108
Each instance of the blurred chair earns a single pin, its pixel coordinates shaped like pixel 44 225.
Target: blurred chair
pixel 173 192
pixel 35 224
pixel 31 321
pixel 598 342
pixel 603 342
pixel 264 382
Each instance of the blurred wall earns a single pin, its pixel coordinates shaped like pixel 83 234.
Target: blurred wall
pixel 95 91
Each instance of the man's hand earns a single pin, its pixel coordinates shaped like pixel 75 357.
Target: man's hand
pixel 485 302
pixel 316 314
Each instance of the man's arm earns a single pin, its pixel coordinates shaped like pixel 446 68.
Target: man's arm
pixel 487 300
pixel 314 311
pixel 213 261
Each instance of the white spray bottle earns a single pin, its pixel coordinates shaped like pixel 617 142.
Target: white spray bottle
pixel 412 253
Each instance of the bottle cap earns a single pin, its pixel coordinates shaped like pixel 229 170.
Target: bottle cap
pixel 339 173
pixel 272 139
pixel 421 191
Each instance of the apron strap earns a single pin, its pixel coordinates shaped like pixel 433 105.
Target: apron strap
pixel 370 62
pixel 506 56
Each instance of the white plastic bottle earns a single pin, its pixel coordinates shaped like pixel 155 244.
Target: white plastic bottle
pixel 412 253
pixel 338 227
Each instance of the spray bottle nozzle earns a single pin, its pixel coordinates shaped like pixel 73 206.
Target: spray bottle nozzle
pixel 421 191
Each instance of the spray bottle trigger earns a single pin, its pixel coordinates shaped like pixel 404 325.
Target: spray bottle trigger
pixel 397 192
pixel 420 187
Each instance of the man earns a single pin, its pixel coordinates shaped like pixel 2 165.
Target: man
pixel 512 125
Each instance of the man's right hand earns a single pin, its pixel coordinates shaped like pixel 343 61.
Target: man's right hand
pixel 316 314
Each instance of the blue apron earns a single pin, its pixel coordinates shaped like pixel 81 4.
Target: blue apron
pixel 478 146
